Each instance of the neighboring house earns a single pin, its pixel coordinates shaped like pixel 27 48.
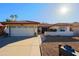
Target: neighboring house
pixel 43 27
pixel 63 29
pixel 1 29
pixel 21 28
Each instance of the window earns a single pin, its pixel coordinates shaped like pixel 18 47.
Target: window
pixel 54 30
pixel 62 30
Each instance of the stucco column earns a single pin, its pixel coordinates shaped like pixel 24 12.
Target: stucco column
pixel 40 30
pixel 67 28
pixel 58 29
pixel 35 30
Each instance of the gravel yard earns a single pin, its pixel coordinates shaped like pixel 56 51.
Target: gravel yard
pixel 50 46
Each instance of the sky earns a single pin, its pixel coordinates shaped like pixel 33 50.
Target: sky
pixel 41 12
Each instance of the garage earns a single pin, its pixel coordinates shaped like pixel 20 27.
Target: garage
pixel 22 31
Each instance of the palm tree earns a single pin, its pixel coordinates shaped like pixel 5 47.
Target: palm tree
pixel 13 17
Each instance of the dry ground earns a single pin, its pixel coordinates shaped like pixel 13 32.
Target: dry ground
pixel 51 49
pixel 50 46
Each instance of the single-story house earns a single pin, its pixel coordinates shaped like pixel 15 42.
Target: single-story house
pixel 21 28
pixel 1 29
pixel 63 29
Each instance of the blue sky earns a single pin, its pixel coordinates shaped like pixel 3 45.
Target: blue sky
pixel 40 12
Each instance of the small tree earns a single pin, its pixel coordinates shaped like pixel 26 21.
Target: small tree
pixel 8 20
pixel 13 17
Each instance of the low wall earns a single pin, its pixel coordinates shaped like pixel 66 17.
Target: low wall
pixel 60 33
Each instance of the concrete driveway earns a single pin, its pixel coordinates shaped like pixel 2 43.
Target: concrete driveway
pixel 25 47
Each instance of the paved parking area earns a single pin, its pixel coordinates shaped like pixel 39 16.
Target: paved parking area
pixel 25 47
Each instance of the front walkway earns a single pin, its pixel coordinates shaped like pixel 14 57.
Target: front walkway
pixel 26 47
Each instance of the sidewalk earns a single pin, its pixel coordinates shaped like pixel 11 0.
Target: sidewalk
pixel 26 47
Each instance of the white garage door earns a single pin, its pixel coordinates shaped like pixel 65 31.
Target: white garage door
pixel 22 31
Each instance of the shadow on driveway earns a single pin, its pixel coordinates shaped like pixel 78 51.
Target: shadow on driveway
pixel 7 40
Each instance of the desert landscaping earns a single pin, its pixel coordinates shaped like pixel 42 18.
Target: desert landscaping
pixel 50 47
